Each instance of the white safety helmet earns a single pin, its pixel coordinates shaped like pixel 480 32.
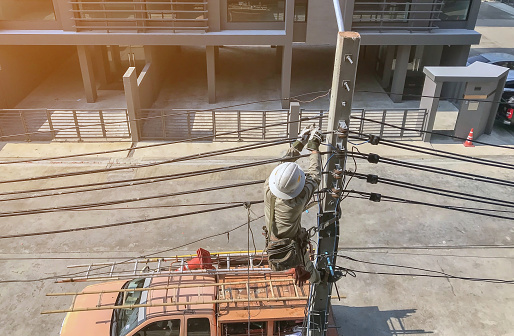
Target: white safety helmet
pixel 287 180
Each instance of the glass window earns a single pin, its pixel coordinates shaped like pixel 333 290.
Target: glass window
pixel 124 320
pixel 300 11
pixel 256 11
pixel 290 327
pixel 241 329
pixel 161 328
pixel 455 10
pixel 27 10
pixel 198 327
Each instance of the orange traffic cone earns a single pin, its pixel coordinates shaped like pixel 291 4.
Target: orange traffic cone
pixel 468 142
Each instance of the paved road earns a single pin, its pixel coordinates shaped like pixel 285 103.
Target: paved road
pixel 393 233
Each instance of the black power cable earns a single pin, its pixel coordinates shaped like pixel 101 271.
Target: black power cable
pixel 139 181
pixel 437 191
pixel 437 274
pixel 137 221
pixel 379 197
pixel 69 275
pixel 441 153
pixel 430 132
pixel 153 164
pixel 89 206
pixel 375 158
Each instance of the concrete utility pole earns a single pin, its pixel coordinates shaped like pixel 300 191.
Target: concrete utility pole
pixel 343 83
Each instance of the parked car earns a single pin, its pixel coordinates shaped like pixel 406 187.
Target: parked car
pixel 506 107
pixel 501 59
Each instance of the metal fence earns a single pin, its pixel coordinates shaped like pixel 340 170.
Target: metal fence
pixel 249 125
pixel 217 125
pixel 405 123
pixel 214 125
pixel 63 124
pixel 140 16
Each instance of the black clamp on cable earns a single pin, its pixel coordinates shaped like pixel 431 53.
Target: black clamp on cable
pixel 373 158
pixel 374 139
pixel 373 179
pixel 374 197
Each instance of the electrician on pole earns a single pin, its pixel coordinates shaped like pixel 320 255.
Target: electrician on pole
pixel 287 191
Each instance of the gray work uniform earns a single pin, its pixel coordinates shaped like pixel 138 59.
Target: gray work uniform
pixel 288 213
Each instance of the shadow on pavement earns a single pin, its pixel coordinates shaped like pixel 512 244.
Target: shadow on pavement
pixel 371 321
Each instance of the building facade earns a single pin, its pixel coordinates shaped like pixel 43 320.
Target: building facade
pixel 398 37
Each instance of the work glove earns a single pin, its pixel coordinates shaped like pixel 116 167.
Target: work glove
pixel 303 138
pixel 301 275
pixel 315 139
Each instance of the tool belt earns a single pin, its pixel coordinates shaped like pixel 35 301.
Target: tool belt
pixel 285 253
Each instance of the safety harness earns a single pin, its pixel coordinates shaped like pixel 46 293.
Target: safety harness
pixel 285 253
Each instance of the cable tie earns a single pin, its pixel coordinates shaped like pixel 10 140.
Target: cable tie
pixel 374 139
pixel 373 179
pixel 373 158
pixel 374 197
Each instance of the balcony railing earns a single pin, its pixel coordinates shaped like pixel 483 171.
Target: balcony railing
pixel 396 15
pixel 140 16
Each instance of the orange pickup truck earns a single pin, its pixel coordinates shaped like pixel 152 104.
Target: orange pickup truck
pixel 192 297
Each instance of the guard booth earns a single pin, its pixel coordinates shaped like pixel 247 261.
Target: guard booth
pixel 483 85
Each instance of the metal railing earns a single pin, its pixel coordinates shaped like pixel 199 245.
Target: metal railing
pixel 63 124
pixel 396 15
pixel 174 124
pixel 184 124
pixel 412 119
pixel 140 16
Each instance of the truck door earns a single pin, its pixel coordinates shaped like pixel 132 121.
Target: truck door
pixel 168 327
pixel 200 326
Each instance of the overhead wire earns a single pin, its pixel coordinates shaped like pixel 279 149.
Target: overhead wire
pixel 92 206
pixel 442 206
pixel 138 181
pixel 436 274
pixel 36 178
pixel 439 191
pixel 442 153
pixel 438 170
pixel 430 132
pixel 127 260
pixel 110 225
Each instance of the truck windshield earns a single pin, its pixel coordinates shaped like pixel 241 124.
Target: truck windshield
pixel 124 320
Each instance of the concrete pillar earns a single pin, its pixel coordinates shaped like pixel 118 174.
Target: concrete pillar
pixel 101 64
pixel 88 73
pixel 116 58
pixel 388 66
pixel 64 14
pixel 213 6
pixel 216 57
pixel 347 9
pixel 400 72
pixel 279 51
pixel 294 118
pixel 133 101
pixel 211 73
pixel 430 102
pixel 287 55
pixel 285 78
pixel 431 56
